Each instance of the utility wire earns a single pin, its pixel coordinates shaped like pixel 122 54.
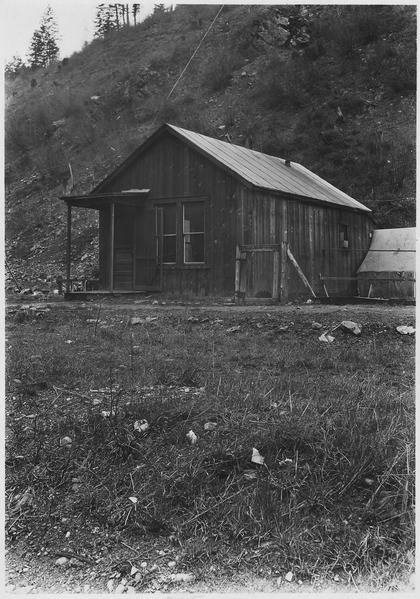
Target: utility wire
pixel 188 63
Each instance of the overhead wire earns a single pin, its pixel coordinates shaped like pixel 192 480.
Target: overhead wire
pixel 188 63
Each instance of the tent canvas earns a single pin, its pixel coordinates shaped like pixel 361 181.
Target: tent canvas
pixel 389 268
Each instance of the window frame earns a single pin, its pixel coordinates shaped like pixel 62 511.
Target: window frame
pixel 344 235
pixel 186 234
pixel 180 203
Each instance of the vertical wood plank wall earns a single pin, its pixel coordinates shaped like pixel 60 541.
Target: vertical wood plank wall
pixel 170 169
pixel 239 215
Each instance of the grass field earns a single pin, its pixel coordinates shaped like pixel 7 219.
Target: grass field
pixel 100 402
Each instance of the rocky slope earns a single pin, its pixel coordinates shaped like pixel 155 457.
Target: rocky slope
pixel 330 87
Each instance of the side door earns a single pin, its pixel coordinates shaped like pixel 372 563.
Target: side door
pixel 147 254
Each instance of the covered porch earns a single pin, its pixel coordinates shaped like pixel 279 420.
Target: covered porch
pixel 129 247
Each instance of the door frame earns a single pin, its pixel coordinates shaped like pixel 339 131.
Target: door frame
pixel 157 244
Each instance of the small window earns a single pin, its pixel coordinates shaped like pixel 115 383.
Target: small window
pixel 169 234
pixel 193 232
pixel 344 236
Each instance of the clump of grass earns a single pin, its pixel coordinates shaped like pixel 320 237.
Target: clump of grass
pixel 335 493
pixel 218 70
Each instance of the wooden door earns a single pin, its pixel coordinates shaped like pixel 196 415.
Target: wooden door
pixel 147 261
pixel 123 248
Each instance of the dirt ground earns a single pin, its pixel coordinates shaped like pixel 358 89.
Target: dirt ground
pixel 37 573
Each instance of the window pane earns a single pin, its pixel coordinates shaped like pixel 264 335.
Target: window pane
pixel 169 219
pixel 194 217
pixel 169 249
pixel 194 248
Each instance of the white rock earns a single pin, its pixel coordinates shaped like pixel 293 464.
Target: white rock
pixel 182 577
pixel 406 330
pixel 351 327
pixel 210 426
pixel 171 564
pixel 62 561
pixel 289 577
pixel 120 589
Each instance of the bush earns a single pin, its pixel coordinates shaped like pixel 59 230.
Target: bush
pixel 218 70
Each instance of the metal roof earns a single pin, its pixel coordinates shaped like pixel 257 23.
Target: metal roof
pixel 268 172
pixel 391 250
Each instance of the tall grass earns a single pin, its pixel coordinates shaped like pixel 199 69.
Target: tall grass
pixel 334 425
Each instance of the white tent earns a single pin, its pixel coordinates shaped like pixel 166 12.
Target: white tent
pixel 389 268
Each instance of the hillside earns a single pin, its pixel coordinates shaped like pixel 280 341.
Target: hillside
pixel 330 87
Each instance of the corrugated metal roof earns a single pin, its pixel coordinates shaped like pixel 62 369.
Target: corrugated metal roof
pixel 269 172
pixel 391 250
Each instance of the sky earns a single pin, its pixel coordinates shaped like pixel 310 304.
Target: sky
pixel 75 20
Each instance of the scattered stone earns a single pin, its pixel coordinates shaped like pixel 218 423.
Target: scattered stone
pixel 65 441
pixel 404 330
pixel 210 426
pixel 62 561
pixel 289 577
pixel 182 577
pixel 171 564
pixel 326 338
pixel 351 327
pixel 120 589
pixel 316 326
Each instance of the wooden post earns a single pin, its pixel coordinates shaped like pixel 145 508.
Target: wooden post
pixel 276 272
pixel 111 246
pixel 68 247
pixel 237 273
pixel 299 271
pixel 284 287
pixel 325 288
pixel 240 276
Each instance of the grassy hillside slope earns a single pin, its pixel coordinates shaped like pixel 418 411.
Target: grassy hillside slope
pixel 330 87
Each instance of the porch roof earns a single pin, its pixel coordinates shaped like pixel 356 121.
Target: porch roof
pixel 131 197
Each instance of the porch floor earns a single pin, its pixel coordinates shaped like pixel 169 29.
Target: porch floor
pixel 102 293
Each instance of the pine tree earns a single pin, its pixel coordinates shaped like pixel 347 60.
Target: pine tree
pixel 14 67
pixel 136 11
pixel 106 19
pixel 43 48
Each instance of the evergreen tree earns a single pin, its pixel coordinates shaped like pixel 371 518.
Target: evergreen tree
pixel 136 11
pixel 14 67
pixel 106 19
pixel 43 48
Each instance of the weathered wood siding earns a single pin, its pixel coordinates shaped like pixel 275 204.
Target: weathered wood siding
pixel 172 170
pixel 104 221
pixel 313 234
pixel 237 214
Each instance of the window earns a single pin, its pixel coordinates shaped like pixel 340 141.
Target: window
pixel 169 234
pixel 344 235
pixel 180 229
pixel 193 232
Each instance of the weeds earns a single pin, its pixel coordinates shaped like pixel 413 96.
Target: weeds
pixel 335 491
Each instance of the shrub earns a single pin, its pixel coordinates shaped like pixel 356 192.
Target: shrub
pixel 218 70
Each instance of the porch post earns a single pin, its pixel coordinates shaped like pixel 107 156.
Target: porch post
pixel 111 246
pixel 68 247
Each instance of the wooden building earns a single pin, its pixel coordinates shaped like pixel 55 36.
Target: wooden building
pixel 190 215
